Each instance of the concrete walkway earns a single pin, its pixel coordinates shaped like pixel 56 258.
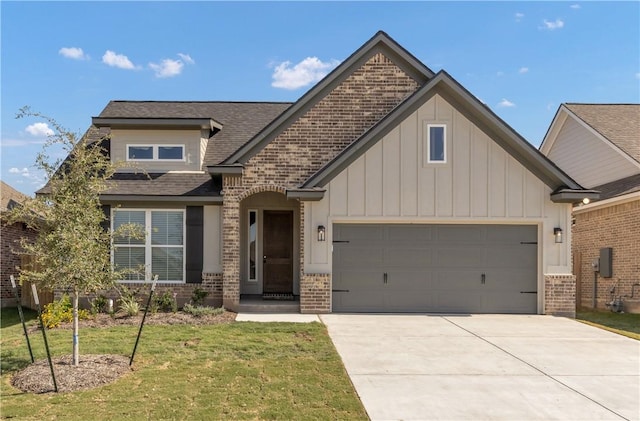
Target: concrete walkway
pixel 487 367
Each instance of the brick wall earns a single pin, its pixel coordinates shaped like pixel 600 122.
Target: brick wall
pixel 320 134
pixel 10 235
pixel 560 295
pixel 211 282
pixel 315 293
pixel 616 226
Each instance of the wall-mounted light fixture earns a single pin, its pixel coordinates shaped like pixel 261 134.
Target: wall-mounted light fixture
pixel 557 233
pixel 321 232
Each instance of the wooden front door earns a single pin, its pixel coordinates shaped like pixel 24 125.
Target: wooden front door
pixel 277 249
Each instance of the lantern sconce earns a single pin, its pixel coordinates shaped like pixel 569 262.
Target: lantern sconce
pixel 321 232
pixel 557 233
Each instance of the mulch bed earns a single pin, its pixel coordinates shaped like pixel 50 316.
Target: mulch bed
pixel 98 370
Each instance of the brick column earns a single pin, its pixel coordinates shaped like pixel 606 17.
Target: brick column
pixel 315 293
pixel 231 244
pixel 560 295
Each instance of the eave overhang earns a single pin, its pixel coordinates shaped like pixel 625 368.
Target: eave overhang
pixel 306 195
pixel 223 169
pixel 164 123
pixel 565 195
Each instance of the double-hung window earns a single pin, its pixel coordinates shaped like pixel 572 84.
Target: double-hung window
pixel 160 253
pixel 155 152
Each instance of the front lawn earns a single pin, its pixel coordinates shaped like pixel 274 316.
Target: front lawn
pixel 227 371
pixel 626 324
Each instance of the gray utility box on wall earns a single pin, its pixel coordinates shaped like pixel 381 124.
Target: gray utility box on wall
pixel 606 262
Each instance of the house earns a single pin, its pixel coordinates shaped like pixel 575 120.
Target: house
pixel 10 235
pixel 386 187
pixel 598 145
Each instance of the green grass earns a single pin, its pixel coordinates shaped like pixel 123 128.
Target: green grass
pixel 626 324
pixel 232 371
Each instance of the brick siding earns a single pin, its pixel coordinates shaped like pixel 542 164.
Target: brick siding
pixel 560 295
pixel 319 135
pixel 10 235
pixel 315 293
pixel 616 226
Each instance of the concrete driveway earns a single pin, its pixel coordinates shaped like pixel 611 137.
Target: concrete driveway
pixel 481 367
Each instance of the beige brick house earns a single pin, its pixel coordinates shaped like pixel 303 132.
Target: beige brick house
pixel 386 187
pixel 599 146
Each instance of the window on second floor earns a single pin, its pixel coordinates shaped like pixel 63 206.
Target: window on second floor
pixel 437 146
pixel 155 152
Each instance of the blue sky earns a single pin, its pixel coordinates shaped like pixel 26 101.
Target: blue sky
pixel 523 59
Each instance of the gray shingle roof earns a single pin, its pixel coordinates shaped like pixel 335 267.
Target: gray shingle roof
pixel 240 120
pixel 619 123
pixel 619 187
pixel 161 184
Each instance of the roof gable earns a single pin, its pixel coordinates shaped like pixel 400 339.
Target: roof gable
pixel 10 197
pixel 618 123
pixel 480 115
pixel 379 43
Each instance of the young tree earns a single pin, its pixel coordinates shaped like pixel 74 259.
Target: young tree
pixel 72 250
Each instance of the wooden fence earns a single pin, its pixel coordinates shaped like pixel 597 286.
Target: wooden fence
pixel 45 296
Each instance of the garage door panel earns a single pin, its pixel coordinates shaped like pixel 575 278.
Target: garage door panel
pixel 409 233
pixel 460 234
pixel 449 257
pixel 406 257
pixel 435 268
pixel 509 257
pixel 360 256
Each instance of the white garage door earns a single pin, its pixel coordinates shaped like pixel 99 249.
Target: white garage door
pixel 435 268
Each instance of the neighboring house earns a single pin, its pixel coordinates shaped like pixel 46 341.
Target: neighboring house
pixel 598 145
pixel 386 187
pixel 10 235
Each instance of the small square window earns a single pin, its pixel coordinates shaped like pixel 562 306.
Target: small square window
pixel 437 145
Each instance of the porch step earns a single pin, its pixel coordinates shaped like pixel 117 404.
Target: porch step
pixel 255 304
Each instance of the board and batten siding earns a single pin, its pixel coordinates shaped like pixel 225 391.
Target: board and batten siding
pixel 191 139
pixel 587 158
pixel 479 183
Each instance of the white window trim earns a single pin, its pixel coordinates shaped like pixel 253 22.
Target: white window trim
pixel 249 279
pixel 444 146
pixel 148 247
pixel 155 152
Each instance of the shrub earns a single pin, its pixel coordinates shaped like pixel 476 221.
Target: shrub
pixel 198 296
pixel 61 311
pixel 99 304
pixel 129 305
pixel 200 311
pixel 165 302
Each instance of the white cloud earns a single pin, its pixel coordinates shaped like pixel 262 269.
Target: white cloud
pixel 552 25
pixel 500 73
pixel 551 106
pixel 23 172
pixel 39 129
pixel 505 103
pixel 74 53
pixel 519 16
pixel 120 61
pixel 308 71
pixel 10 143
pixel 167 68
pixel 638 75
pixel 186 58
pixel 523 70
pixel 575 6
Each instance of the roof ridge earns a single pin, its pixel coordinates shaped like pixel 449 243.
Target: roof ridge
pixel 134 101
